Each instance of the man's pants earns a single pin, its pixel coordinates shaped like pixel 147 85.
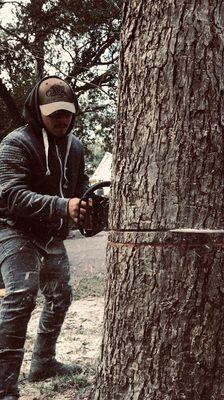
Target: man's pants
pixel 25 269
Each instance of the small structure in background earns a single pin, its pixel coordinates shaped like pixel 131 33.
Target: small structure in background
pixel 103 173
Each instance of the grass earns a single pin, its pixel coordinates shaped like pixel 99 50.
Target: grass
pixel 91 286
pixel 70 384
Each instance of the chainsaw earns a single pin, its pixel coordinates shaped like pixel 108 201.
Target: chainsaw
pixel 97 208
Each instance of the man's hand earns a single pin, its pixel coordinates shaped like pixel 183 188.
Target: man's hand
pixel 73 209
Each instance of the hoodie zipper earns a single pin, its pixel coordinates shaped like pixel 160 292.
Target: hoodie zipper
pixel 61 178
pixel 62 174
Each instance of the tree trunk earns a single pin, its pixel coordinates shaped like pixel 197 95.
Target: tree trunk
pixel 39 58
pixel 10 104
pixel 164 329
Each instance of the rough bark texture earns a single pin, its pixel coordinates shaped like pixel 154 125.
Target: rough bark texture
pixel 169 143
pixel 164 329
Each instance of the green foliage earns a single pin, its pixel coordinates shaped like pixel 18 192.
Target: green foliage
pixel 75 39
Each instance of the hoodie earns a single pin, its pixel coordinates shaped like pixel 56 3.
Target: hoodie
pixel 39 173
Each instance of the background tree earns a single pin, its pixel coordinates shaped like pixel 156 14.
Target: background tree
pixel 163 329
pixel 77 40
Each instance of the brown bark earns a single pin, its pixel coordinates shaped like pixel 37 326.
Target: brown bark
pixel 39 58
pixel 163 333
pixel 163 330
pixel 170 122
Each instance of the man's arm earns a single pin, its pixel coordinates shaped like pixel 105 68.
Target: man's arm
pixel 15 184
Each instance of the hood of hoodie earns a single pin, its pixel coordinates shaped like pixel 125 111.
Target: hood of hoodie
pixel 31 111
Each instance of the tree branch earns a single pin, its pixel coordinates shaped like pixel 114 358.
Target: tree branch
pixel 102 49
pixel 14 35
pixel 95 83
pixel 2 3
pixel 108 62
pixel 88 60
pixel 114 4
pixel 93 109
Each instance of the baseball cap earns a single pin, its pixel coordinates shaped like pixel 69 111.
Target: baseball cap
pixel 55 94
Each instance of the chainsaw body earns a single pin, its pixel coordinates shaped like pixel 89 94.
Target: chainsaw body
pixel 96 218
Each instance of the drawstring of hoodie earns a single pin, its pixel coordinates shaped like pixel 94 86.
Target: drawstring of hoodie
pixel 66 157
pixel 46 150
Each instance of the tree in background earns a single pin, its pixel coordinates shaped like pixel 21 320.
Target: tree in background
pixel 163 328
pixel 77 40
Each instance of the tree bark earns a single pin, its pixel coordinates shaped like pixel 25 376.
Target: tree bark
pixel 39 58
pixel 163 328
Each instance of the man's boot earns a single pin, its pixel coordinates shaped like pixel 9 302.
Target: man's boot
pixel 9 373
pixel 40 371
pixel 44 365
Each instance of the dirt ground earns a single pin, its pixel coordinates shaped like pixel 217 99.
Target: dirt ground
pixel 81 336
pixel 87 255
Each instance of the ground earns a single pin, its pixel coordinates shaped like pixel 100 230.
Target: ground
pixel 82 331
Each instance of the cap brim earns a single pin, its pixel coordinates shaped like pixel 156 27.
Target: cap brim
pixel 47 109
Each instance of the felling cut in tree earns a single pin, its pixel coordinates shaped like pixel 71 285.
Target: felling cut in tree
pixel 163 326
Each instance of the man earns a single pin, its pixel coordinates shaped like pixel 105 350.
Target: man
pixel 41 181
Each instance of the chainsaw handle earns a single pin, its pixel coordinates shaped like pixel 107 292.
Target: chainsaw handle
pixel 93 188
pixel 91 191
pixel 89 194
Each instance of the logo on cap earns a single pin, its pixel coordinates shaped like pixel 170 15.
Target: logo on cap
pixel 56 90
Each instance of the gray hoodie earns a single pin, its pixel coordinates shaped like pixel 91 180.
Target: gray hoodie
pixel 39 173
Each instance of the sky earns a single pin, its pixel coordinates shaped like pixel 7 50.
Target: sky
pixel 6 14
pixel 6 11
